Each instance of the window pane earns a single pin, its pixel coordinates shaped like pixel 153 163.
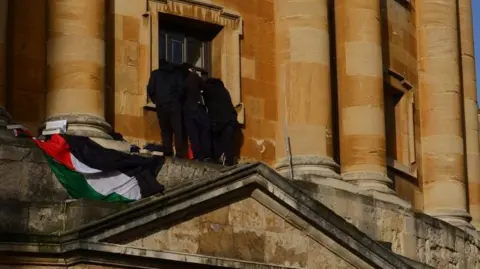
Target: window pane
pixel 162 46
pixel 176 50
pixel 195 52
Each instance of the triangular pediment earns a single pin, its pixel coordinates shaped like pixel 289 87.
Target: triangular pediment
pixel 248 230
pixel 255 216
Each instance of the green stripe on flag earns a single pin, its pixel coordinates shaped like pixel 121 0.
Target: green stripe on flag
pixel 77 186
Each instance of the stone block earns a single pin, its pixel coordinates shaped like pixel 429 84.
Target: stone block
pixel 129 126
pixel 247 214
pixel 25 174
pixel 176 172
pixel 13 217
pixel 286 249
pixel 219 216
pixel 81 212
pixel 322 258
pixel 248 68
pixel 255 107
pixel 129 8
pixel 158 241
pixel 126 53
pixel 46 218
pixel 249 244
pixel 186 236
pixel 127 102
pixel 126 82
pixel 131 28
pixel 216 240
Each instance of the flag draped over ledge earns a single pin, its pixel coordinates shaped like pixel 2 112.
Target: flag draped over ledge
pixel 88 170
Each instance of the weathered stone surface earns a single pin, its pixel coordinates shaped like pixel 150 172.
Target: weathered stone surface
pixel 176 172
pixel 49 218
pixel 412 234
pixel 33 201
pixel 243 230
pixel 25 174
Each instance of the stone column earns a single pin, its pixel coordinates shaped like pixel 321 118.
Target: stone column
pixel 440 106
pixel 4 115
pixel 360 94
pixel 304 92
pixel 76 65
pixel 470 108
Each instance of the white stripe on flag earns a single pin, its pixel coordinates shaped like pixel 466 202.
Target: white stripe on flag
pixel 81 167
pixel 108 183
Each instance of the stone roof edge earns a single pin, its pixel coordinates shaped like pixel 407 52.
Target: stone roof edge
pixel 319 216
pixel 119 255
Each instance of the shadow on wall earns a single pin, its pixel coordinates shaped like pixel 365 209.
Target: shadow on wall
pixel 110 64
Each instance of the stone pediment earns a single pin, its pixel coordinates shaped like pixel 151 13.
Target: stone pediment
pixel 250 231
pixel 246 217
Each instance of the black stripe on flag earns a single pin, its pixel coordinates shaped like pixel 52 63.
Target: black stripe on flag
pixel 144 169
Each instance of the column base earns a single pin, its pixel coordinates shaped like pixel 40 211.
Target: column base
pixel 456 217
pixel 319 170
pixel 309 167
pixel 376 185
pixel 375 181
pixel 85 125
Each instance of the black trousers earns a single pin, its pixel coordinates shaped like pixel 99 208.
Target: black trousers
pixel 170 119
pixel 198 126
pixel 224 140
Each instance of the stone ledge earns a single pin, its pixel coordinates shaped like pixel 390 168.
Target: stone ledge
pixel 51 218
pixel 108 254
pixel 26 176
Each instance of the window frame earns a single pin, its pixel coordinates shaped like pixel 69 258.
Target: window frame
pixel 206 47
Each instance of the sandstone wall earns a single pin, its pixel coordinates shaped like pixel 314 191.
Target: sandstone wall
pixel 402 44
pixel 414 235
pixel 26 66
pixel 400 56
pixel 128 72
pixel 128 68
pixel 131 70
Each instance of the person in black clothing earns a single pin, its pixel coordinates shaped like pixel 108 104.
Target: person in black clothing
pixel 165 89
pixel 197 123
pixel 224 120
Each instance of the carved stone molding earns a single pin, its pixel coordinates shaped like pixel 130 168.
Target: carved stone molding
pixel 227 43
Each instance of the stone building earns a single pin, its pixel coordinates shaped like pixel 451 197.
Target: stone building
pixel 375 98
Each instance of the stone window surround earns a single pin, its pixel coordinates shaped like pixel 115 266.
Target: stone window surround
pixel 399 82
pixel 231 33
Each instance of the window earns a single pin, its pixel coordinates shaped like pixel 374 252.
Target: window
pixel 399 124
pixel 185 40
pixel 179 48
pixel 393 118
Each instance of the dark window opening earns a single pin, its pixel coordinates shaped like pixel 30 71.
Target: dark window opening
pixel 186 40
pixel 392 98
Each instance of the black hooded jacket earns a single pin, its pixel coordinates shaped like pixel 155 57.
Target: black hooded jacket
pixel 193 87
pixel 165 84
pixel 219 102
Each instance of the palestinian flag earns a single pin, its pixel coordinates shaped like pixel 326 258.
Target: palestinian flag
pixel 88 170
